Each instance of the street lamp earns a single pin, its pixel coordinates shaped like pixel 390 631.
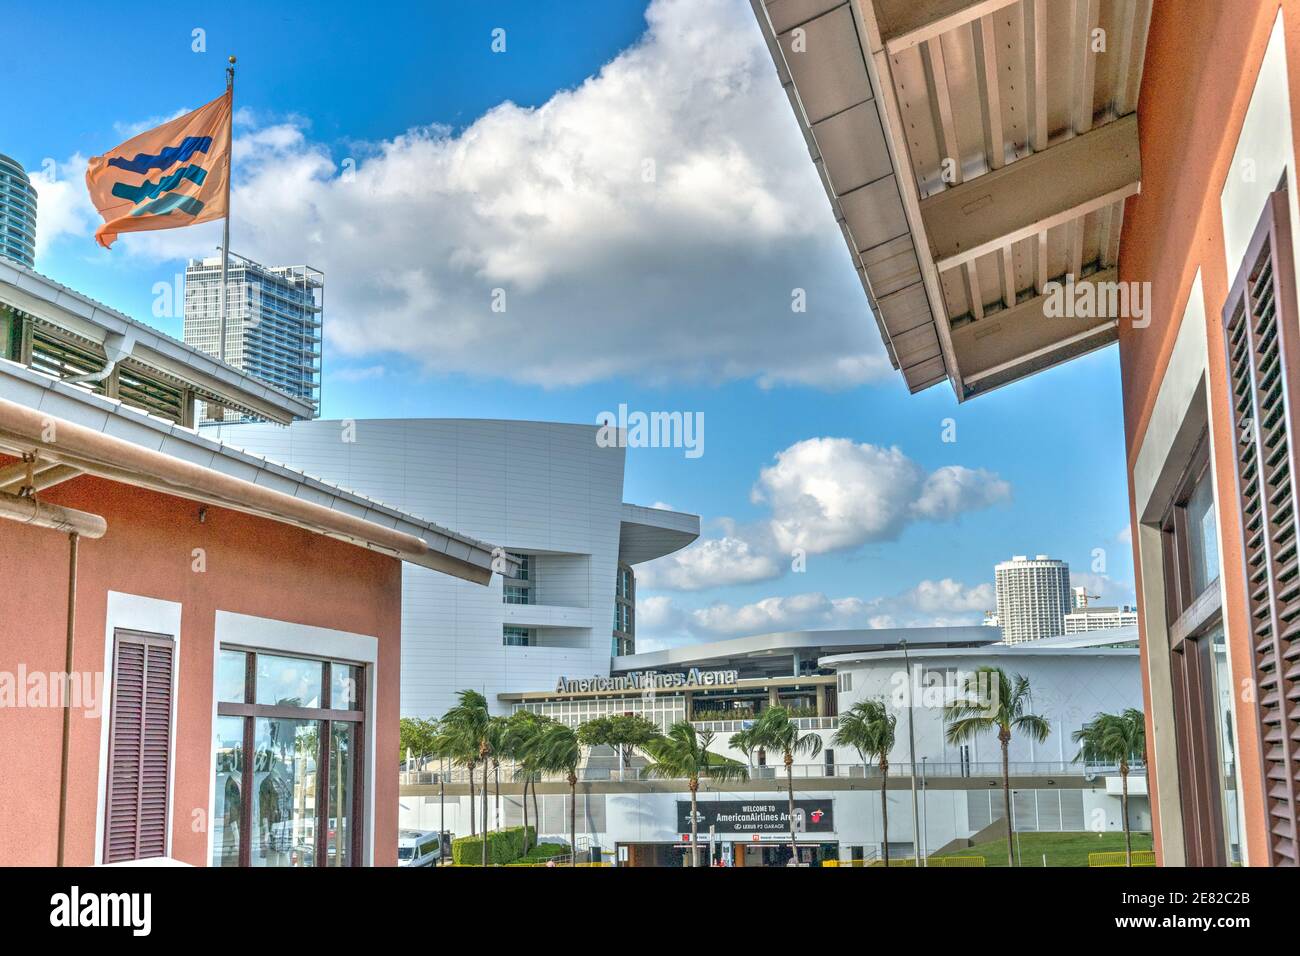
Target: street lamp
pixel 925 821
pixel 911 753
pixel 442 811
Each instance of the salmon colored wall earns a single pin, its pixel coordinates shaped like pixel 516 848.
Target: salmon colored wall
pixel 254 566
pixel 1198 79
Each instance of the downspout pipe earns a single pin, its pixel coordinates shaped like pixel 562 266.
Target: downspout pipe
pixel 116 348
pixel 67 708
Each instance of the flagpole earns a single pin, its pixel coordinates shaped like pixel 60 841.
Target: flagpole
pixel 225 235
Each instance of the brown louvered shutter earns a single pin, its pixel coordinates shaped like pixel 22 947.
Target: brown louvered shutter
pixel 1263 349
pixel 139 747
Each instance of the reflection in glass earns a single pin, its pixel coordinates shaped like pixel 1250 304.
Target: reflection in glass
pixel 231 674
pixel 1203 535
pixel 1227 756
pixel 344 680
pixel 288 681
pixel 229 749
pixel 284 783
pixel 339 838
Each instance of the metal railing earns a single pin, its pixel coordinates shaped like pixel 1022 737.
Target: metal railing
pixel 735 726
pixel 800 771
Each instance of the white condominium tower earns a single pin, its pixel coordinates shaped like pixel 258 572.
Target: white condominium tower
pixel 273 324
pixel 17 213
pixel 1033 597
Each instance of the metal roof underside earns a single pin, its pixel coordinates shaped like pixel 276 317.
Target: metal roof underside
pixel 93 322
pixel 972 151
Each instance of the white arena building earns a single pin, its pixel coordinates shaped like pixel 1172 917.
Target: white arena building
pixel 545 492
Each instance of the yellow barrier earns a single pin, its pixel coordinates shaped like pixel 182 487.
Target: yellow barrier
pixel 559 864
pixel 1117 858
pixel 941 861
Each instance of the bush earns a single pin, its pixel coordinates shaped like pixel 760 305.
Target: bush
pixel 538 855
pixel 504 846
pixel 543 852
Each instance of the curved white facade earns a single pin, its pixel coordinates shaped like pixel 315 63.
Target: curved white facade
pixel 545 490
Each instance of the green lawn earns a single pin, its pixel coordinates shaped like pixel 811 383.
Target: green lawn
pixel 1062 849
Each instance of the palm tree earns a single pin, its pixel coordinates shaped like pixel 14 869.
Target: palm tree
pixel 469 724
pixel 523 730
pixel 685 754
pixel 458 746
pixel 1115 738
pixel 869 729
pixel 496 740
pixel 972 713
pixel 742 740
pixel 774 730
pixel 560 751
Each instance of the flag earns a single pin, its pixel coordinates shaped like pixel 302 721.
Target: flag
pixel 173 175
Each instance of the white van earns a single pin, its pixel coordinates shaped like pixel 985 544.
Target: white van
pixel 417 848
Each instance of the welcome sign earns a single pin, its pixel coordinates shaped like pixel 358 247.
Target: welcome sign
pixel 757 816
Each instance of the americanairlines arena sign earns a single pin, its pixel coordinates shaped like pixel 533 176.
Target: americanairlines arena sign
pixel 757 816
pixel 648 680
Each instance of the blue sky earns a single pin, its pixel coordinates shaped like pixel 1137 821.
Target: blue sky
pixel 634 181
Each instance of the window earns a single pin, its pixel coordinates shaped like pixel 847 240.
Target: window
pixel 519 589
pixel 1260 328
pixel 1193 610
pixel 298 801
pixel 516 636
pixel 139 747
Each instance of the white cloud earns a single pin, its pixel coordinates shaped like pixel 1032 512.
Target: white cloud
pixel 359 374
pixel 779 614
pixel 828 494
pixel 1125 535
pixel 663 623
pixel 952 489
pixel 63 205
pixel 948 596
pixel 825 495
pixel 651 223
pixel 710 563
pixel 658 615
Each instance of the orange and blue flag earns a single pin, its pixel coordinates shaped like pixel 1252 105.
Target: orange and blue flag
pixel 173 175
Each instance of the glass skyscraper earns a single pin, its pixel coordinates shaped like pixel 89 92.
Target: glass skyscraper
pixel 17 213
pixel 273 324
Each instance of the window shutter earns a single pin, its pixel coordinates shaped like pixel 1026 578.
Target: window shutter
pixel 1263 350
pixel 139 747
